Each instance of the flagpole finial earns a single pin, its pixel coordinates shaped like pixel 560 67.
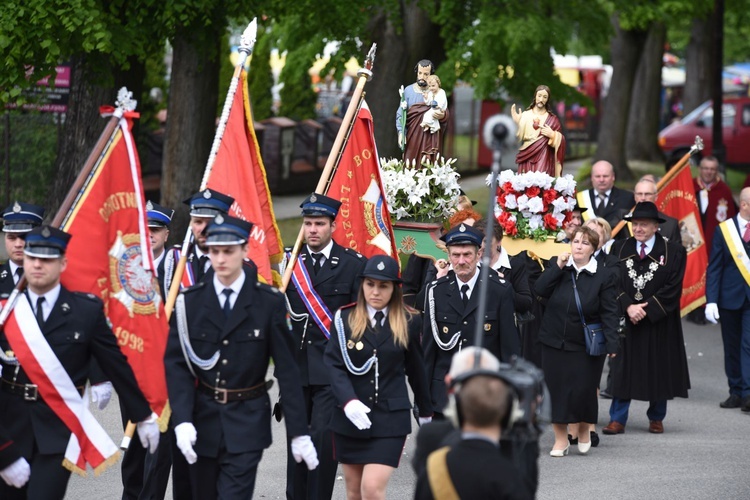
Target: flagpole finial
pixel 125 100
pixel 247 41
pixel 369 61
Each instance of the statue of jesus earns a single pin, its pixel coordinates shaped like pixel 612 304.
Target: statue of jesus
pixel 542 143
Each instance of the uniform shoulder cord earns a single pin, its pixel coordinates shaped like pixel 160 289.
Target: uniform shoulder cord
pixel 441 484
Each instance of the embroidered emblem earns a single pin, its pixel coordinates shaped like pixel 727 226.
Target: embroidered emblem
pixel 359 345
pixel 381 266
pixel 132 285
pixel 16 207
pixel 721 210
pixel 639 281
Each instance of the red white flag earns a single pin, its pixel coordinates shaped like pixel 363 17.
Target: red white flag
pixel 238 171
pixel 676 198
pixel 109 256
pixel 363 222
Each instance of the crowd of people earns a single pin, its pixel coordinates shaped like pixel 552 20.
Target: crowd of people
pixel 349 333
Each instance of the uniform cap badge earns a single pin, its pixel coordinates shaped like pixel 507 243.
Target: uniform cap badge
pixel 46 233
pixel 219 219
pixel 149 205
pixel 313 198
pixel 462 228
pixel 16 207
pixel 381 266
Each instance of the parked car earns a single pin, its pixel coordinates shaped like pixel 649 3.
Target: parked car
pixel 676 139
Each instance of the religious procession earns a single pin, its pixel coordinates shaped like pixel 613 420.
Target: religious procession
pixel 431 333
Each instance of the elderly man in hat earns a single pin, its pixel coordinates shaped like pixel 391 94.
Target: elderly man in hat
pixel 451 311
pixel 223 334
pixel 18 219
pixel 326 274
pixel 652 364
pixel 75 329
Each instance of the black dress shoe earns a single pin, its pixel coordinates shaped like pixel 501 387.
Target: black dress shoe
pixel 571 440
pixel 604 394
pixel 594 439
pixel 733 401
pixel 745 404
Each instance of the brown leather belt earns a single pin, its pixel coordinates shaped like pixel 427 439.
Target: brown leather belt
pixel 29 392
pixel 224 396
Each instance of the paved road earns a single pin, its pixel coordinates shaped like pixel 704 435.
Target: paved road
pixel 703 453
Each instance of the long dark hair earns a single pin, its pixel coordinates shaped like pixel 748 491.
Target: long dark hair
pixel 548 105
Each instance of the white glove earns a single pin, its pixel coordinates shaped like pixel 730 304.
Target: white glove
pixel 101 394
pixel 356 412
pixel 424 420
pixel 712 313
pixel 186 437
pixel 303 449
pixel 17 473
pixel 148 432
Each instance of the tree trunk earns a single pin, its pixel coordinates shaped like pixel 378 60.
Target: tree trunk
pixel 699 83
pixel 399 49
pixel 643 121
pixel 626 49
pixel 191 126
pixel 82 129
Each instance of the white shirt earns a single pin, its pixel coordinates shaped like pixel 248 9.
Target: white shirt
pixel 199 254
pixel 50 298
pixel 326 252
pixel 649 245
pixel 157 260
pixel 236 286
pixel 471 283
pixel 502 260
pixel 591 266
pixel 604 201
pixel 371 313
pixel 13 266
pixel 740 221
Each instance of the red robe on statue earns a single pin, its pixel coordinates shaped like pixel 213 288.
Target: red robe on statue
pixel 716 205
pixel 540 156
pixel 420 142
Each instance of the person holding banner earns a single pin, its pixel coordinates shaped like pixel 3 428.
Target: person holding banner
pixel 652 364
pixel 374 346
pixel 728 298
pixel 325 278
pixel 39 412
pixel 222 336
pixel 18 219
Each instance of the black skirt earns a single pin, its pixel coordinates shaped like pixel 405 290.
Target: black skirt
pixel 572 378
pixel 376 450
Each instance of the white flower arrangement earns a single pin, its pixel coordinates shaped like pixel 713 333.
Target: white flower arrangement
pixel 533 205
pixel 420 192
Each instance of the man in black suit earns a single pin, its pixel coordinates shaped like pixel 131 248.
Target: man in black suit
pixel 606 200
pixel 451 312
pixel 333 272
pixel 74 326
pixel 18 219
pixel 470 463
pixel 222 336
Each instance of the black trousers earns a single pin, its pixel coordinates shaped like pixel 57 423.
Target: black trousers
pixel 48 481
pixel 228 476
pixel 316 484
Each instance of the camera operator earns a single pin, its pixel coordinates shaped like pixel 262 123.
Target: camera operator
pixel 466 454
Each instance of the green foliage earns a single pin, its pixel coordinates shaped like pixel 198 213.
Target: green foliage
pixel 298 99
pixel 260 77
pixel 33 148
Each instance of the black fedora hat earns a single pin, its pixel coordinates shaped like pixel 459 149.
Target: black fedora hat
pixel 381 267
pixel 644 210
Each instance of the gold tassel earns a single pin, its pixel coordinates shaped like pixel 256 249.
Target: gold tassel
pixel 163 420
pixel 107 463
pixel 73 467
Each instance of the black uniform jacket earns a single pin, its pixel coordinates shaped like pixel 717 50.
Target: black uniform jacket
pixel 8 451
pixel 390 410
pixel 7 283
pixel 255 331
pixel 77 332
pixel 519 279
pixel 561 325
pixel 337 283
pixel 499 333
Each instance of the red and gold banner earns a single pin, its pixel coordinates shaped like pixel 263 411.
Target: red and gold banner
pixel 238 171
pixel 676 198
pixel 364 222
pixel 109 256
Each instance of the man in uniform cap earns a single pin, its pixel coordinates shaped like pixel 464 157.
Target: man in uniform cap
pixel 222 336
pixel 451 311
pixel 18 219
pixel 76 330
pixel 333 275
pixel 652 364
pixel 159 218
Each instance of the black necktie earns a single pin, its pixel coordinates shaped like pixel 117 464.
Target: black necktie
pixel 40 311
pixel 317 257
pixel 227 304
pixel 19 273
pixel 465 294
pixel 379 316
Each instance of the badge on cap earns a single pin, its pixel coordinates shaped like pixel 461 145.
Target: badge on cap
pixel 359 345
pixel 149 205
pixel 207 194
pixel 462 228
pixel 381 266
pixel 313 198
pixel 9 353
pixel 219 219
pixel 45 232
pixel 350 344
pixel 16 207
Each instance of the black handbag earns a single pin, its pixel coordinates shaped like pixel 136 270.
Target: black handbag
pixel 596 343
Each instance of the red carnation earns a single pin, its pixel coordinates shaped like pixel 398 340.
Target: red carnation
pixel 508 187
pixel 549 196
pixel 550 221
pixel 533 191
